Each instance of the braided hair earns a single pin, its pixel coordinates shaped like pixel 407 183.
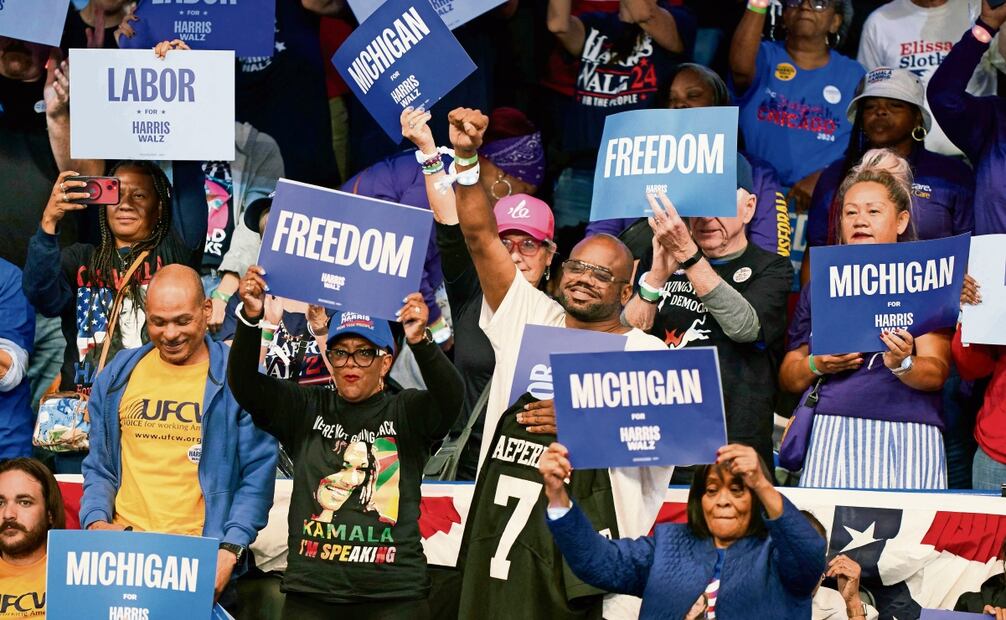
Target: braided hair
pixel 106 258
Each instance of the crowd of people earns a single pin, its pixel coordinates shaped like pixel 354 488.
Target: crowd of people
pixel 140 345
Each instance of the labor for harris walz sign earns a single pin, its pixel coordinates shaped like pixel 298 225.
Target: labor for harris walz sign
pixel 403 55
pixel 245 26
pixel 129 575
pixel 690 155
pixel 859 290
pixel 343 251
pixel 639 408
pixel 129 104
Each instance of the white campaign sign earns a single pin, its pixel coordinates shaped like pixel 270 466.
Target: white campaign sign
pixel 129 104
pixel 983 324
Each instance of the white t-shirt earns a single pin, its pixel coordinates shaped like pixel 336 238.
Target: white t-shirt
pixel 903 35
pixel 638 492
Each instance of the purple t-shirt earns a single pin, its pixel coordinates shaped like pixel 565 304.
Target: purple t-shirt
pixel 943 191
pixel 871 391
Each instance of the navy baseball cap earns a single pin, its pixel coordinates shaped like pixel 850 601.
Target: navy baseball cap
pixel 355 324
pixel 745 176
pixel 254 211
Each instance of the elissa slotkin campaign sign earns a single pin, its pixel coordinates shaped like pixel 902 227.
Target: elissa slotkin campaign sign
pixel 245 26
pixel 129 575
pixel 38 21
pixel 343 251
pixel 454 12
pixel 690 155
pixel 859 290
pixel 533 371
pixel 639 408
pixel 129 104
pixel 403 55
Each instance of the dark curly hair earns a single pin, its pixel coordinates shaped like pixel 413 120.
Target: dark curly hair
pixel 106 258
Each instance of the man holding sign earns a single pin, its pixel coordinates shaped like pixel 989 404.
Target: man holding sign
pixel 593 288
pixel 877 421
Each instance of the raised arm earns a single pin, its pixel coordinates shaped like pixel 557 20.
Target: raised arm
pixel 478 224
pixel 57 119
pixel 657 22
pixel 415 128
pixel 565 26
pixel 744 49
pixel 278 407
pixel 639 312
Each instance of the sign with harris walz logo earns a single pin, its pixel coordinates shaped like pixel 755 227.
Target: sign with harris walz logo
pixel 454 12
pixel 690 155
pixel 533 371
pixel 129 575
pixel 245 26
pixel 639 408
pixel 402 55
pixel 343 251
pixel 129 104
pixel 859 290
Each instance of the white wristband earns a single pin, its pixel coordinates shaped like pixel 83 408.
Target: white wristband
pixel 238 313
pixel 643 284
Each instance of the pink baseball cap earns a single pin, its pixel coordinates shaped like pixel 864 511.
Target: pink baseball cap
pixel 526 214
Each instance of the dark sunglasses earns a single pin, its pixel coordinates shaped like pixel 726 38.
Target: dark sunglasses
pixel 817 5
pixel 601 274
pixel 364 358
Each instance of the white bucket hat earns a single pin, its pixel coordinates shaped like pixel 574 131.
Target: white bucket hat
pixel 900 84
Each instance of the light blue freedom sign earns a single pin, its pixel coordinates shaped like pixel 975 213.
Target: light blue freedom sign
pixel 245 26
pixel 343 251
pixel 454 12
pixel 403 55
pixel 109 574
pixel 639 408
pixel 690 155
pixel 858 290
pixel 38 21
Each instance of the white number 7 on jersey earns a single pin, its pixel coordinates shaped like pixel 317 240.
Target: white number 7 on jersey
pixel 526 493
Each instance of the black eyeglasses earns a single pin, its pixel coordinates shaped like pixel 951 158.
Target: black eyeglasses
pixel 364 358
pixel 527 247
pixel 817 5
pixel 601 274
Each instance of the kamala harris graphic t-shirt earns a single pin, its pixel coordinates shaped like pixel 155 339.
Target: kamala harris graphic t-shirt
pixel 160 418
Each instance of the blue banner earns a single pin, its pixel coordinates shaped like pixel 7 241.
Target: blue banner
pixel 941 614
pixel 691 155
pixel 108 574
pixel 247 27
pixel 639 408
pixel 403 55
pixel 533 372
pixel 454 12
pixel 343 251
pixel 859 290
pixel 38 21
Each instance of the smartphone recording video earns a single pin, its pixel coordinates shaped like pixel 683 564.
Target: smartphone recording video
pixel 100 190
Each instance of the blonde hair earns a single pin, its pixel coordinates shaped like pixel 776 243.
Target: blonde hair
pixel 890 170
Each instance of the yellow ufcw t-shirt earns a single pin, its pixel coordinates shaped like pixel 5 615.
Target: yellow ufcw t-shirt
pixel 160 417
pixel 22 590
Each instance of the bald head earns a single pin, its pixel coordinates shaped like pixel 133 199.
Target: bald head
pixel 605 250
pixel 177 315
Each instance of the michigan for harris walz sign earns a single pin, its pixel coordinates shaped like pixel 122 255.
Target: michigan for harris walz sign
pixel 859 290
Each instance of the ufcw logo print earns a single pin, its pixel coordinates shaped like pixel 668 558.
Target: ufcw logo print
pixel 17 604
pixel 166 410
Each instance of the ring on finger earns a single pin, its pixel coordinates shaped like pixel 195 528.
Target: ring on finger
pixel 415 310
pixel 61 188
pixel 411 125
pixel 64 197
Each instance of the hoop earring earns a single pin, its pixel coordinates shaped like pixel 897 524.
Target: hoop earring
pixel 915 133
pixel 500 179
pixel 828 41
pixel 548 272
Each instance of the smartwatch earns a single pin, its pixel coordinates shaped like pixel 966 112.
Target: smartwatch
pixel 690 262
pixel 237 550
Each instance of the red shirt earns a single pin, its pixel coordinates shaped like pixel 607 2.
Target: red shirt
pixel 978 361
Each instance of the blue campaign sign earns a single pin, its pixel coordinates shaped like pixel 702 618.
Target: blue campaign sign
pixel 691 155
pixel 533 372
pixel 247 27
pixel 38 21
pixel 107 574
pixel 639 408
pixel 403 55
pixel 454 12
pixel 859 290
pixel 343 251
pixel 942 614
